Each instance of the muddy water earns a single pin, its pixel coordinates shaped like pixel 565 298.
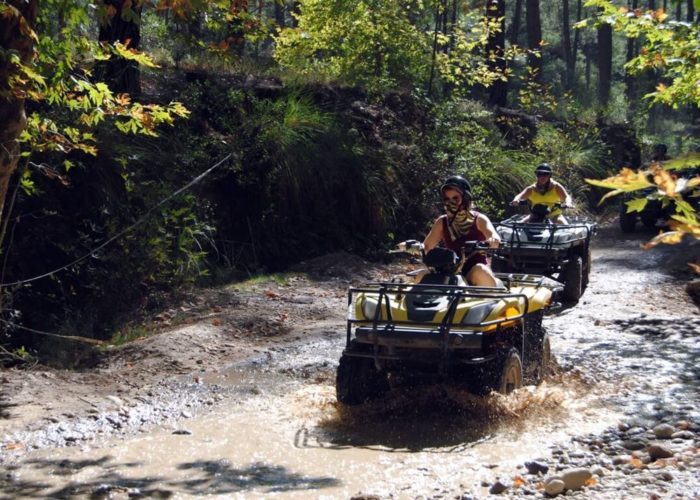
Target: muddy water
pixel 279 432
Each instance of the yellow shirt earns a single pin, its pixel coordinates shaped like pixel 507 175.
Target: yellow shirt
pixel 549 198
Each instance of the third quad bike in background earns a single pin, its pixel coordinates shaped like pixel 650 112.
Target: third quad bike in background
pixel 440 329
pixel 536 245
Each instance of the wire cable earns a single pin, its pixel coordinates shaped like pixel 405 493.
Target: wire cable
pixel 121 233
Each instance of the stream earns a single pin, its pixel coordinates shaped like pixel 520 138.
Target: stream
pixel 627 357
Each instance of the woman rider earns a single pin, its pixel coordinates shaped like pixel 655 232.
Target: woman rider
pixel 460 224
pixel 547 192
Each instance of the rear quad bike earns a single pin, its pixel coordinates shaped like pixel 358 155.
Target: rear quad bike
pixel 440 330
pixel 658 208
pixel 536 245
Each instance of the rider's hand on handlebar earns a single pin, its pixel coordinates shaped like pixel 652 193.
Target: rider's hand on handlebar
pixel 493 242
pixel 515 203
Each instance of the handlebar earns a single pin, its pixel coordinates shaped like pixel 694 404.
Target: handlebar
pixel 562 206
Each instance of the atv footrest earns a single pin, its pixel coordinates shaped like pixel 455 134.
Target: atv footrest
pixel 422 339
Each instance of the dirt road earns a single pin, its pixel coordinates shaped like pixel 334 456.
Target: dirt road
pixel 239 402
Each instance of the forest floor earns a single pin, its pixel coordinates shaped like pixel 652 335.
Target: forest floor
pixel 264 341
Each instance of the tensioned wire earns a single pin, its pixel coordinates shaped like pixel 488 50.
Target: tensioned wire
pixel 121 233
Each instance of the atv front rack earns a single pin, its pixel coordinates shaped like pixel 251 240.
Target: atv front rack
pixel 516 241
pixel 447 335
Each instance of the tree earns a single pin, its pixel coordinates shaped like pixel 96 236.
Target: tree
pixel 495 48
pixel 566 43
pixel 17 40
pixel 119 22
pixel 605 50
pixel 515 25
pixel 534 36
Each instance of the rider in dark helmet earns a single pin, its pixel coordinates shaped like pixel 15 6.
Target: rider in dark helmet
pixel 462 223
pixel 547 192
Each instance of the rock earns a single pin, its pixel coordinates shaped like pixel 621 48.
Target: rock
pixel 183 432
pixel 683 435
pixel 634 444
pixel 623 426
pixel 664 431
pixel 536 467
pixel 554 486
pixel 600 471
pixel 574 479
pixel 498 487
pixel 657 451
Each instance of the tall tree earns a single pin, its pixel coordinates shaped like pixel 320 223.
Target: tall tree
pixel 120 22
pixel 604 63
pixel 690 14
pixel 495 47
pixel 566 44
pixel 17 19
pixel 577 38
pixel 515 25
pixel 279 13
pixel 534 36
pixel 630 81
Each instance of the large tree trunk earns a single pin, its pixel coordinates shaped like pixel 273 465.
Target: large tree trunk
pixel 495 47
pixel 534 35
pixel 121 74
pixel 604 63
pixel 515 25
pixel 690 14
pixel 13 37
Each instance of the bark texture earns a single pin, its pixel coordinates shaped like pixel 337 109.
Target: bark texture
pixel 15 31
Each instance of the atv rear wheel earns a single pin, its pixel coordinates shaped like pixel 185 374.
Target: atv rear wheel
pixel 358 380
pixel 627 219
pixel 573 279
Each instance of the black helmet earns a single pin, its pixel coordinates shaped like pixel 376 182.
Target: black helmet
pixel 460 184
pixel 543 168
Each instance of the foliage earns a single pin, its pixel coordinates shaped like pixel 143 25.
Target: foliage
pixel 670 48
pixel 371 43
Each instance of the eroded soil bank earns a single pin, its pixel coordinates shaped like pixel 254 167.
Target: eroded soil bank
pixel 239 402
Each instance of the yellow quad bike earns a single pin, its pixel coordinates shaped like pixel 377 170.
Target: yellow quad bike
pixel 441 330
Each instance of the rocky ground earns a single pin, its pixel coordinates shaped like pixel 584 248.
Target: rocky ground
pixel 607 344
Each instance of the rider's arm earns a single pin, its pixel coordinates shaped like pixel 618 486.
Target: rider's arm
pixel 563 195
pixel 434 236
pixel 486 227
pixel 523 195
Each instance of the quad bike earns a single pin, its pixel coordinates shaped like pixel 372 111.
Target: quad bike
pixel 658 209
pixel 536 245
pixel 440 329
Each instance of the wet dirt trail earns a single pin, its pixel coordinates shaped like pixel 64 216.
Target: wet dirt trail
pixel 628 356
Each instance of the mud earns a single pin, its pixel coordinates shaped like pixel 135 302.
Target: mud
pixel 240 402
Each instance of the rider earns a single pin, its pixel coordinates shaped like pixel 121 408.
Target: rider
pixel 460 224
pixel 547 192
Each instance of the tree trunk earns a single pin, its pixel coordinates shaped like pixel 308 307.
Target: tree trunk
pixel 690 15
pixel 652 4
pixel 495 47
pixel 587 53
pixel 296 10
pixel 534 36
pixel 630 88
pixel 121 74
pixel 577 38
pixel 279 13
pixel 515 25
pixel 679 11
pixel 13 119
pixel 604 63
pixel 566 45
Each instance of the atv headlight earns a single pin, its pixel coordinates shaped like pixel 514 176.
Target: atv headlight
pixel 478 313
pixel 369 308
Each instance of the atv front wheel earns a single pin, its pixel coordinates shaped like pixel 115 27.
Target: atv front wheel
pixel 573 280
pixel 358 380
pixel 511 376
pixel 543 360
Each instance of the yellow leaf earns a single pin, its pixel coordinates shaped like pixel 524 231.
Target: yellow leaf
pixel 664 180
pixel 668 238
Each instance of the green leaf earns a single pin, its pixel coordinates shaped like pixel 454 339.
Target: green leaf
pixel 636 205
